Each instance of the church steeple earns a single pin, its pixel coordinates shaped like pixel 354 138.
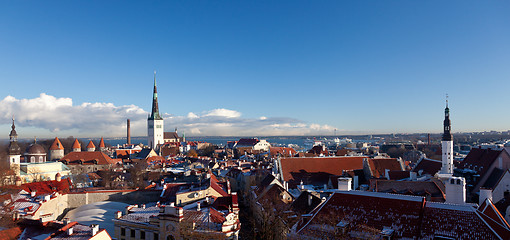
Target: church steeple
pixel 155 109
pixel 14 148
pixel 13 136
pixel 447 135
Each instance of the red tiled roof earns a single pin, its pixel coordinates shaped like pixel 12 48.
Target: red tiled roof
pixel 417 188
pixel 373 210
pixel 331 165
pixel 76 144
pixel 10 234
pixel 88 158
pixel 378 166
pixel 215 185
pixel 497 220
pixel 284 151
pixel 101 143
pixel 429 166
pixel 409 217
pixel 397 175
pixel 480 160
pixel 91 144
pixel 56 145
pixel 48 187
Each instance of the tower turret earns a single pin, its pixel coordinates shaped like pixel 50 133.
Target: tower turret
pixel 56 150
pixel 91 147
pixel 447 146
pixel 76 146
pixel 102 146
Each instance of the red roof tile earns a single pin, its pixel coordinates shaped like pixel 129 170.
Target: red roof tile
pixel 48 187
pixel 101 143
pixel 10 234
pixel 330 165
pixel 428 166
pixel 76 144
pixel 88 158
pixel 378 166
pixel 91 145
pixel 56 145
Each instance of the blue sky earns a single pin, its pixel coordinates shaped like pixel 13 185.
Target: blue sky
pixel 299 66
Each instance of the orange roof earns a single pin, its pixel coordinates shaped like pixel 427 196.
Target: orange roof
pixel 56 145
pixel 101 143
pixel 91 145
pixel 88 158
pixel 378 166
pixel 11 233
pixel 76 144
pixel 331 165
pixel 48 187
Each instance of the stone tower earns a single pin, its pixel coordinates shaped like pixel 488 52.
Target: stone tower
pixel 56 150
pixel 91 147
pixel 102 146
pixel 155 122
pixel 14 149
pixel 76 146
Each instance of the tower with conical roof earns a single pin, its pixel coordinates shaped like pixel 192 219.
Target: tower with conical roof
pixel 14 149
pixel 102 146
pixel 56 150
pixel 76 146
pixel 155 121
pixel 91 147
pixel 447 144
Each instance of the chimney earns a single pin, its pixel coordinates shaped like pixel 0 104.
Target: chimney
pixel 128 131
pixel 32 194
pixel 18 181
pixel 118 214
pixel 484 194
pixel 455 190
pixel 94 229
pixel 66 221
pixel 69 231
pixel 310 198
pixel 413 176
pixel 387 173
pixel 198 206
pixel 344 184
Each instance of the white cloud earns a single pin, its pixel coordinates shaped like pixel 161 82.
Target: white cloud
pixel 59 115
pixel 222 112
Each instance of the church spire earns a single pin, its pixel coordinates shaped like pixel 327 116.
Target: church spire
pixel 447 135
pixel 155 109
pixel 13 135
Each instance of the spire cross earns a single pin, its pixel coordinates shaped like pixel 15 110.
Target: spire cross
pixel 447 100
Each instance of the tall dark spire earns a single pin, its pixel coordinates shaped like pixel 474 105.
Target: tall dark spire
pixel 155 109
pixel 14 148
pixel 447 135
pixel 13 135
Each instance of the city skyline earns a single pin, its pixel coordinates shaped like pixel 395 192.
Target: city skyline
pixel 253 69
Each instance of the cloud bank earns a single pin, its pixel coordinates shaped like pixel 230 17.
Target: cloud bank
pixel 105 119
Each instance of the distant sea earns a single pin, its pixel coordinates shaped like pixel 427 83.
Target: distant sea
pixel 220 141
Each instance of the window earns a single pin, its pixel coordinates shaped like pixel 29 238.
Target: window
pixel 142 235
pixel 156 236
pixel 132 233
pixel 122 231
